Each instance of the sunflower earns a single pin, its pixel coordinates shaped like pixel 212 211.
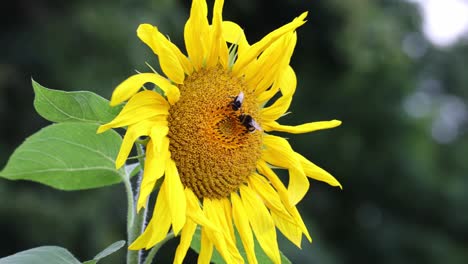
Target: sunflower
pixel 209 147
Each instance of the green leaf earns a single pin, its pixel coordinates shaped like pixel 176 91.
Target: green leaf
pixel 106 252
pixel 217 259
pixel 41 255
pixel 81 106
pixel 67 156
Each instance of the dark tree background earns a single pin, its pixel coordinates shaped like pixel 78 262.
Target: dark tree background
pixel 400 153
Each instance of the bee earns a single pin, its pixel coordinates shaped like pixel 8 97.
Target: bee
pixel 249 123
pixel 237 102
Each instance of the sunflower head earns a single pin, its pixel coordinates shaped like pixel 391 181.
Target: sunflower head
pixel 210 143
pixel 209 137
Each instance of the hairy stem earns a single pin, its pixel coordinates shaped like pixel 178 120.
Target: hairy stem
pixel 135 221
pixel 130 217
pixel 138 220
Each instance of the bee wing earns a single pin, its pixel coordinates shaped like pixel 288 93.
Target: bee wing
pixel 240 97
pixel 256 125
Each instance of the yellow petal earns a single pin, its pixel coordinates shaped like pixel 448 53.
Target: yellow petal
pixel 297 217
pixel 304 128
pixel 155 165
pixel 261 222
pixel 158 227
pixel 217 50
pixel 287 81
pixel 278 152
pixel 242 225
pixel 257 48
pixel 143 240
pixel 283 220
pixel 135 131
pixel 157 135
pixel 233 33
pixel 270 58
pixel 287 84
pixel 315 172
pixel 226 220
pixel 276 110
pixel 148 177
pixel 280 66
pixel 226 223
pixel 150 36
pixel 206 248
pixel 185 240
pixel 271 63
pixel 196 32
pixel 265 170
pixel 289 229
pixel 268 193
pixel 134 83
pixel 166 51
pixel 222 241
pixel 175 196
pixel 298 185
pixel 266 95
pixel 144 105
pixel 195 213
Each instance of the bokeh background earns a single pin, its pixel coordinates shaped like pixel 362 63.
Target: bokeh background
pixel 394 71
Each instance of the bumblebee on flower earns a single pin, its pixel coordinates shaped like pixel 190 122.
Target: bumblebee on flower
pixel 209 138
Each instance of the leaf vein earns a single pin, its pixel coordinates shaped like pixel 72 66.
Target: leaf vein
pixel 62 170
pixel 42 153
pixel 78 145
pixel 60 110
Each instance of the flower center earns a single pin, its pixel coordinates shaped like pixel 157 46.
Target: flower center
pixel 213 144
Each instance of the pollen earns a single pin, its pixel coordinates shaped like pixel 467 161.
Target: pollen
pixel 213 149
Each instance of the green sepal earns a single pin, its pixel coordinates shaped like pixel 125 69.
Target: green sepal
pixel 80 106
pixel 67 156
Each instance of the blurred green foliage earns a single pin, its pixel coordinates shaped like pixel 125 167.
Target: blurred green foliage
pixel 400 153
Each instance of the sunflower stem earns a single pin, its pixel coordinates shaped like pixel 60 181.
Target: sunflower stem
pixel 154 250
pixel 137 225
pixel 130 216
pixel 134 256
